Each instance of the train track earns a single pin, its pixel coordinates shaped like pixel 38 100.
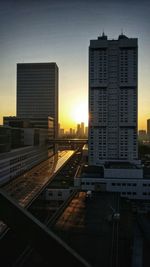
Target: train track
pixel 28 250
pixel 114 259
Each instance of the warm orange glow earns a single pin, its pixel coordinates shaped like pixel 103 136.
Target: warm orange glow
pixel 74 113
pixel 80 113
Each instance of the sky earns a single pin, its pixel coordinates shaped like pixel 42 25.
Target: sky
pixel 60 31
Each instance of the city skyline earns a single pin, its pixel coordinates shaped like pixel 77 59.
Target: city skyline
pixel 59 32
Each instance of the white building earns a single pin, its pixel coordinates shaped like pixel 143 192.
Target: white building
pixel 37 91
pixel 113 100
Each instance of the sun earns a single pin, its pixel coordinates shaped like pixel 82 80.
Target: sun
pixel 80 113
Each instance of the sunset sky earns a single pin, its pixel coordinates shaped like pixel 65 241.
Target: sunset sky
pixel 60 31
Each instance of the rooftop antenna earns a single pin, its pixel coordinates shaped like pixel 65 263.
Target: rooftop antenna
pixel 121 31
pixel 103 34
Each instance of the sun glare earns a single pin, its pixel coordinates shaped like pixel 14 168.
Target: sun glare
pixel 80 113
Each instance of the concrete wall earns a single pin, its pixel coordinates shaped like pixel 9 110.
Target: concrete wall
pixel 123 173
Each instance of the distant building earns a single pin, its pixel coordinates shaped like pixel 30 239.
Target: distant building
pixel 37 91
pixel 82 129
pixel 71 131
pixel 142 135
pixel 148 127
pixel 86 131
pixel 113 100
pixel 58 129
pixel 78 132
pixel 61 132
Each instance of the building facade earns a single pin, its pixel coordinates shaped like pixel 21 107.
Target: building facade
pixel 113 100
pixel 18 161
pixel 37 91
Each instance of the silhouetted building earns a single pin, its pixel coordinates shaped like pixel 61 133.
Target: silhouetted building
pixel 86 131
pixel 71 131
pixel 5 139
pixel 78 132
pixel 148 127
pixel 10 138
pixel 61 132
pixel 82 129
pixel 37 91
pixel 142 135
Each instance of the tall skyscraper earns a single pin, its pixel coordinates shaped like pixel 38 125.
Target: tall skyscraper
pixel 37 91
pixel 113 100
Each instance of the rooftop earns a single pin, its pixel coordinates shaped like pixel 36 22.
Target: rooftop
pixel 87 226
pixel 120 165
pixel 93 171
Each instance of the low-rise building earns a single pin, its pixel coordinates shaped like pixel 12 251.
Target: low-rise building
pixel 94 178
pixel 18 161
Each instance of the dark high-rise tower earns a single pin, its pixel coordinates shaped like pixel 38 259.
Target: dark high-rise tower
pixel 37 91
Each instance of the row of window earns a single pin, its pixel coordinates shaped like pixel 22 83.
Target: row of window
pixel 59 194
pixel 123 193
pixel 124 184
pixel 128 193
